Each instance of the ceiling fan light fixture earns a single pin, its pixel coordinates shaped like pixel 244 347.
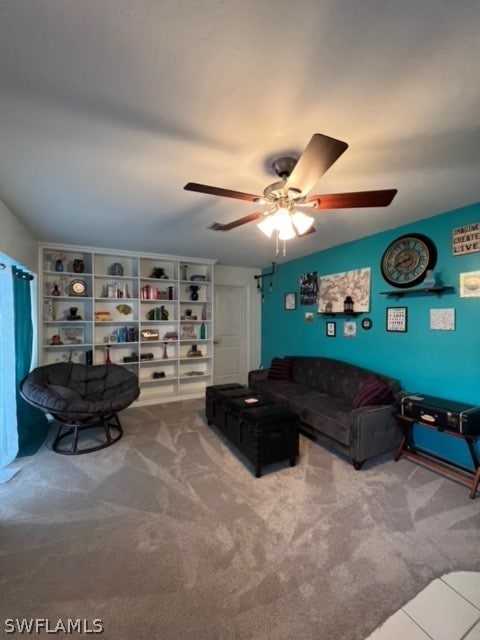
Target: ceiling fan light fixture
pixel 283 223
pixel 267 225
pixel 301 222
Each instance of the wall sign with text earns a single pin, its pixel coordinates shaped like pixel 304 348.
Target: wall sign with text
pixel 466 239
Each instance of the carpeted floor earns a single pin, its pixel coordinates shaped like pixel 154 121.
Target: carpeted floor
pixel 167 535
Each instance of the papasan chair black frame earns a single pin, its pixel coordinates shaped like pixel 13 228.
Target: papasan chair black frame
pixel 82 397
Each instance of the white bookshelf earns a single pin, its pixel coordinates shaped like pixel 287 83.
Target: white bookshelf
pixel 152 313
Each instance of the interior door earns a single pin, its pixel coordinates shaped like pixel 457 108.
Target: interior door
pixel 230 339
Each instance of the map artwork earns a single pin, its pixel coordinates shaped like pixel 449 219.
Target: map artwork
pixel 335 288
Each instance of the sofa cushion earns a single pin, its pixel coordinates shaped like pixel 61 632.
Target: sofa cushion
pixel 330 416
pixel 372 391
pixel 280 369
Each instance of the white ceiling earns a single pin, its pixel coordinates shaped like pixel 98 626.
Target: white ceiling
pixel 107 108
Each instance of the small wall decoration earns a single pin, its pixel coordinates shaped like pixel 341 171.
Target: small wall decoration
pixel 331 329
pixel 470 284
pixel 442 319
pixel 309 317
pixel 334 289
pixel 367 324
pixel 309 288
pixel 350 329
pixel 466 239
pixel 397 319
pixel 290 301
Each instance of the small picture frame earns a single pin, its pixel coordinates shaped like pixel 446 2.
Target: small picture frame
pixel 367 324
pixel 331 329
pixel 72 335
pixel 350 329
pixel 290 301
pixel 470 284
pixel 397 319
pixel 309 317
pixel 442 319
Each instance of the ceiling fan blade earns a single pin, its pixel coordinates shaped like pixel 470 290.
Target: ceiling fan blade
pixel 218 191
pixel 381 198
pixel 319 155
pixel 216 226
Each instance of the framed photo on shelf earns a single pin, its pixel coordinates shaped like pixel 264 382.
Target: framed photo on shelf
pixel 290 301
pixel 331 329
pixel 72 335
pixel 397 319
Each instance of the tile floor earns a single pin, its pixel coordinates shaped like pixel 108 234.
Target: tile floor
pixel 447 609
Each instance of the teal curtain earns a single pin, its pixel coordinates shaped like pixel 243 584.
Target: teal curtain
pixel 32 423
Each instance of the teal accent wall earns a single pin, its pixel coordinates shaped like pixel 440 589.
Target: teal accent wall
pixel 439 363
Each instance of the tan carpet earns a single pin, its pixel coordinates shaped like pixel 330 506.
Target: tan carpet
pixel 167 535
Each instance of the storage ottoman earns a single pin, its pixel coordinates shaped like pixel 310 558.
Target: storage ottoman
pixel 230 413
pixel 216 397
pixel 268 433
pixel 212 395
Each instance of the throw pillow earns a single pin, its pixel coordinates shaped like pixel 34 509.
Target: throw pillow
pixel 373 391
pixel 280 369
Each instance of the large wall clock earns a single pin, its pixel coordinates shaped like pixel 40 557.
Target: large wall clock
pixel 407 259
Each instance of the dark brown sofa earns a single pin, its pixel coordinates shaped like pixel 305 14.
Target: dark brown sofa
pixel 323 392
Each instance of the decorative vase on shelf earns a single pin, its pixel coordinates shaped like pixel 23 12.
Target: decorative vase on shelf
pixel 78 266
pixel 58 265
pixel 56 290
pixel 165 353
pixel 203 331
pixel 107 355
pixel 429 281
pixel 194 291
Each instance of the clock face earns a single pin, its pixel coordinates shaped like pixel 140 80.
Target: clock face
pixel 78 288
pixel 406 260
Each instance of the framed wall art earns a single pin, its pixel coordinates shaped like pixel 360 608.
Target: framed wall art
pixel 397 319
pixel 470 284
pixel 350 329
pixel 336 287
pixel 290 301
pixel 308 288
pixel 331 329
pixel 442 319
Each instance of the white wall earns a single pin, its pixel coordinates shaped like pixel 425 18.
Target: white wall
pixel 242 277
pixel 16 241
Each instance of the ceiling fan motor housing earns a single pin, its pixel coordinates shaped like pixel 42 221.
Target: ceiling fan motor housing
pixel 283 167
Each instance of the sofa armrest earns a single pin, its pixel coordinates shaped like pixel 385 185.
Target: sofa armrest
pixel 374 431
pixel 256 374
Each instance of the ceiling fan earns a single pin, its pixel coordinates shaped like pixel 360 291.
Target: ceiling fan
pixel 290 193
